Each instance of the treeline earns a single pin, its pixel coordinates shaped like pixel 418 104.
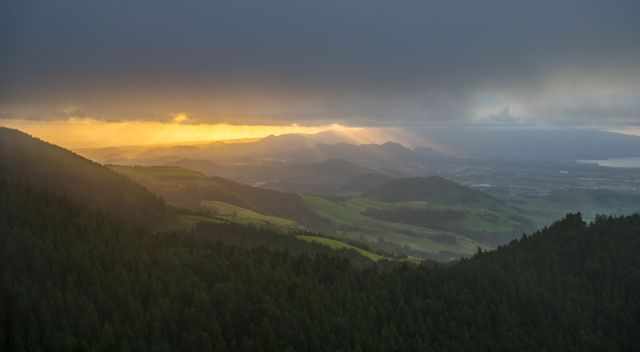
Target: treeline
pixel 72 279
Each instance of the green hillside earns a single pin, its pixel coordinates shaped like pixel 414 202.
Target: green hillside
pixel 349 221
pixel 437 230
pixel 339 245
pixel 245 216
pixel 492 226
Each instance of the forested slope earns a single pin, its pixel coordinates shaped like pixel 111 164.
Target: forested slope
pixel 74 279
pixel 58 171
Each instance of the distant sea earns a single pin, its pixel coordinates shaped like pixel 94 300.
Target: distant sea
pixel 633 162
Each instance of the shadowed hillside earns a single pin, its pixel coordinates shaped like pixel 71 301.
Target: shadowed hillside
pixel 364 183
pixel 190 189
pixel 433 189
pixel 30 161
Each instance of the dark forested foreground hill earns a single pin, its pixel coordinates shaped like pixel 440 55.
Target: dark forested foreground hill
pixel 72 279
pixel 56 170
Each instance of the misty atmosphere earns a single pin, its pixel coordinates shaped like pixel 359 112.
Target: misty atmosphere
pixel 320 176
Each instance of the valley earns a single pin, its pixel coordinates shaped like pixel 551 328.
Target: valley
pixel 73 274
pixel 430 206
pixel 483 223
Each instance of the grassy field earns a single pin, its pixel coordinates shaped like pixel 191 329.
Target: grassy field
pixel 230 213
pixel 475 218
pixel 339 245
pixel 350 223
pixel 245 216
pixel 226 212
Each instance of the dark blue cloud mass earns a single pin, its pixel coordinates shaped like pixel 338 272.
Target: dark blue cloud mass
pixel 353 61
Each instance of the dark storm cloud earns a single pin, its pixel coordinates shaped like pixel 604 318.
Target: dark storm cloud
pixel 353 61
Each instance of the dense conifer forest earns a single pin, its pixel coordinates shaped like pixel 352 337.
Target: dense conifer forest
pixel 79 279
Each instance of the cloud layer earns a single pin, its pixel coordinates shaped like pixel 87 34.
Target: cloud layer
pixel 356 62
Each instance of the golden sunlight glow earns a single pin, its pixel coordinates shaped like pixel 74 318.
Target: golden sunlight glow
pixel 180 117
pixel 91 133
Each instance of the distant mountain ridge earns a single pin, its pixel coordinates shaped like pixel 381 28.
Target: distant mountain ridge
pixel 322 163
pixel 291 149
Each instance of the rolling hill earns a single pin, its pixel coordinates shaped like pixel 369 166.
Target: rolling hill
pixel 64 183
pixel 187 188
pixel 428 217
pixel 433 189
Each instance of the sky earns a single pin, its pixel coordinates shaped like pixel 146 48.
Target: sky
pixel 310 64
